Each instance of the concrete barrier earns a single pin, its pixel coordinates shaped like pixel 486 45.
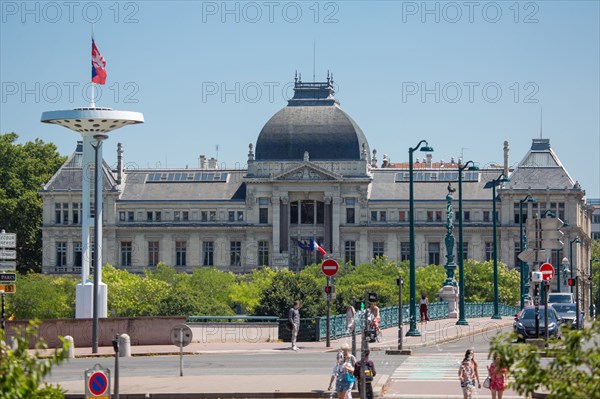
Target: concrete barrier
pixel 234 332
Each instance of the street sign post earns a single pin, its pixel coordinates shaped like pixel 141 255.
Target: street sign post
pixel 8 265
pixel 330 267
pixel 8 277
pixel 181 335
pixel 8 254
pixel 8 288
pixel 533 255
pixel 547 271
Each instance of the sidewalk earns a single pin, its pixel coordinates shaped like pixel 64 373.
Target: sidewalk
pixel 280 386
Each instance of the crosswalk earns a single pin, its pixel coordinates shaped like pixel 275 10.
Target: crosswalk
pixel 429 367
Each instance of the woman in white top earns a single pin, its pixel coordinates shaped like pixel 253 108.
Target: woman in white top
pixel 423 308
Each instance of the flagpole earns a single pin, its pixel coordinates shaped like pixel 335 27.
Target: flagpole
pixel 93 98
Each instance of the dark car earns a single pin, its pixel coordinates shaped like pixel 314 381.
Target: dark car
pixel 524 324
pixel 567 312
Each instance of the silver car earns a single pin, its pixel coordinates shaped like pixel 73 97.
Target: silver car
pixel 567 312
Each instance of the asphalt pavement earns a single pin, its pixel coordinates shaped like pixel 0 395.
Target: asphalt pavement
pixel 269 370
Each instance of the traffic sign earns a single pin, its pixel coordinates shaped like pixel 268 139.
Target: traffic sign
pixel 98 383
pixel 8 240
pixel 181 334
pixel 8 277
pixel 8 265
pixel 8 254
pixel 547 271
pixel 533 255
pixel 8 288
pixel 330 267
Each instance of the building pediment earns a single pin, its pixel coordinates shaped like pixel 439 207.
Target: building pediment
pixel 307 172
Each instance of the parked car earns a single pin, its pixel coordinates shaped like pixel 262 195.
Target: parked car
pixel 560 297
pixel 524 324
pixel 567 312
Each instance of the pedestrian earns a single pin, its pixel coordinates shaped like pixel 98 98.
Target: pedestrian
pixel 497 378
pixel 424 304
pixel 343 373
pixel 294 320
pixel 468 374
pixel 369 373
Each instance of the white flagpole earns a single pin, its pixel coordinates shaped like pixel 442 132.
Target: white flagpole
pixel 93 98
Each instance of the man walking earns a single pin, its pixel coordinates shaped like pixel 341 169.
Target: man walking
pixel 294 319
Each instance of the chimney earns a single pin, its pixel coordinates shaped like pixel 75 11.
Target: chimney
pixel 212 163
pixel 506 148
pixel 119 162
pixel 429 158
pixel 202 162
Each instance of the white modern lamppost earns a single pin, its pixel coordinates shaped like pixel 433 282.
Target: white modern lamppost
pixel 93 124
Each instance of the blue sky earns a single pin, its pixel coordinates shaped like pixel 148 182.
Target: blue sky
pixel 464 75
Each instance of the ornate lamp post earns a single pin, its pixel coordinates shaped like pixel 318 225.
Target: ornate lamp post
pixel 522 247
pixel 413 332
pixel 501 179
pixel 576 240
pixel 462 321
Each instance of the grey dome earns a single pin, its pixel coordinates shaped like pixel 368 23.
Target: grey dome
pixel 313 122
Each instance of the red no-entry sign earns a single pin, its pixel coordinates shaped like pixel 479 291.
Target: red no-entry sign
pixel 330 267
pixel 547 271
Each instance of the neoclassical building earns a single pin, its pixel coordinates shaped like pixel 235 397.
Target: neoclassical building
pixel 311 175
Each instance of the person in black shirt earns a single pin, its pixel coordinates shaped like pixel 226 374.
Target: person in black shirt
pixel 369 374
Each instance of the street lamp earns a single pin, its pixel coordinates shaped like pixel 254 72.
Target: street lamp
pixel 462 321
pixel 576 240
pixel 413 332
pixel 97 226
pixel 522 246
pixel 501 179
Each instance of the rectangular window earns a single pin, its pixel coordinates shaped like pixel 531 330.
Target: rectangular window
pixel 180 253
pixel 204 216
pixel 76 212
pixel 430 216
pixel 378 249
pixel 263 253
pixel 350 252
pixel 263 215
pixel 373 216
pixel 489 250
pixel 561 210
pixel 185 216
pixel 61 254
pixel 294 212
pixel 130 216
pixel 467 216
pixel 350 215
pixel 61 213
pixel 212 216
pixel 516 260
pixel 486 216
pixel 307 212
pixel 153 253
pixel 404 251
pixel 555 258
pixel 235 253
pixel 320 212
pixel 77 254
pixel 403 216
pixel 382 216
pixel 231 215
pixel 126 251
pixel 465 253
pixel 596 236
pixel 121 216
pixel 177 216
pixel 596 219
pixel 208 253
pixel 158 216
pixel 240 216
pixel 149 216
pixel 434 253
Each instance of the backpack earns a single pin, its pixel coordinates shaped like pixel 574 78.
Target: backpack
pixel 368 373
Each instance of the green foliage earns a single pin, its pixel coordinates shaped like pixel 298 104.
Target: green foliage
pixel 22 371
pixel 24 168
pixel 595 251
pixel 248 288
pixel 573 370
pixel 479 283
pixel 42 296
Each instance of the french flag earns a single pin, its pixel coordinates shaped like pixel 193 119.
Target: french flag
pixel 98 66
pixel 316 247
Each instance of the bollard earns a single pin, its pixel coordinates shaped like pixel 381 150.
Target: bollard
pixel 71 349
pixel 124 345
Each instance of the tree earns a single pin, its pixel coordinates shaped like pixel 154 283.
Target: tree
pixel 572 372
pixel 42 296
pixel 479 283
pixel 25 167
pixel 22 371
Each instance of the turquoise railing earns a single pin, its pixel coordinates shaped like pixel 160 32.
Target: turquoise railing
pixel 389 317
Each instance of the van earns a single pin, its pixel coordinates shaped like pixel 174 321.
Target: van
pixel 560 297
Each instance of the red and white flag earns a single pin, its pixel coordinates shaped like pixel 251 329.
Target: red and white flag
pixel 314 246
pixel 98 66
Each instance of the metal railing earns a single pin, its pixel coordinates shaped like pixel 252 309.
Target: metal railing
pixel 486 309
